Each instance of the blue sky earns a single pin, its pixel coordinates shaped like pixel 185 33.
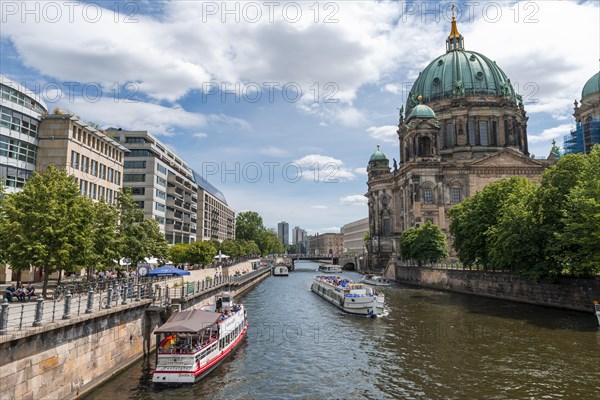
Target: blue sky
pixel 281 104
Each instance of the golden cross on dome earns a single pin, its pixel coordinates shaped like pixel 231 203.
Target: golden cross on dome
pixel 377 147
pixel 452 10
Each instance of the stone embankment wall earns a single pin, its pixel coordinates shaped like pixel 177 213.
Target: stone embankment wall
pixel 573 294
pixel 60 363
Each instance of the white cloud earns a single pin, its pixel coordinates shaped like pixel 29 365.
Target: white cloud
pixel 354 200
pixel 324 169
pixel 159 120
pixel 361 171
pixel 155 53
pixel 549 59
pixel 551 133
pixel 319 207
pixel 386 133
pixel 200 135
pixel 392 88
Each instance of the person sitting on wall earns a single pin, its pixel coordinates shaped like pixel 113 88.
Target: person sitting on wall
pixel 9 292
pixel 20 292
pixel 29 291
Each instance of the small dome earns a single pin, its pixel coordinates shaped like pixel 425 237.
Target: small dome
pixel 591 86
pixel 378 156
pixel 421 111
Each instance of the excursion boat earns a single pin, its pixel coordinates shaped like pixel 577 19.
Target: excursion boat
pixel 375 280
pixel 194 342
pixel 280 271
pixel 329 269
pixel 597 309
pixel 349 296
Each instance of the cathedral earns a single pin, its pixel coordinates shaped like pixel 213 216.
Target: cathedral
pixel 463 126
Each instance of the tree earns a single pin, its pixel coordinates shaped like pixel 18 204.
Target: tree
pixel 248 225
pixel 230 248
pixel 138 237
pixel 581 218
pixel 426 243
pixel 515 241
pixel 473 219
pixel 201 253
pixel 105 241
pixel 179 254
pixel 43 225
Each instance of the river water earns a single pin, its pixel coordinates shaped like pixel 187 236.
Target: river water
pixel 430 345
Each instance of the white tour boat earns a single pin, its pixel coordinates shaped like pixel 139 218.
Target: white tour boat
pixel 280 271
pixel 597 309
pixel 375 280
pixel 192 343
pixel 351 297
pixel 329 269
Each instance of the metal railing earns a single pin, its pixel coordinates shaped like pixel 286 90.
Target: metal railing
pixel 21 316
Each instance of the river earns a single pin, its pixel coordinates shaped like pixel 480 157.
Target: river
pixel 430 345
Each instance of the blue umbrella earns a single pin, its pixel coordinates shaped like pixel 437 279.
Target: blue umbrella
pixel 167 270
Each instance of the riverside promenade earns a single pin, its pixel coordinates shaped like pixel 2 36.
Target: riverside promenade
pixel 63 351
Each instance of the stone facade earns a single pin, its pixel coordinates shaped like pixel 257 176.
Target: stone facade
pixel 326 244
pixel 88 154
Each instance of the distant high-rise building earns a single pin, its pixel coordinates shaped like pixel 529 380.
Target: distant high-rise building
pixel 283 232
pixel 299 239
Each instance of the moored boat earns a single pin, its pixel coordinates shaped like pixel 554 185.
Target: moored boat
pixel 349 296
pixel 194 342
pixel 375 280
pixel 329 269
pixel 280 271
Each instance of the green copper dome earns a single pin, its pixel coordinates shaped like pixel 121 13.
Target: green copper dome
pixel 421 111
pixel 378 156
pixel 460 73
pixel 591 86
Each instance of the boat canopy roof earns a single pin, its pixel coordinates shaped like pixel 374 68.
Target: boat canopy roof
pixel 191 321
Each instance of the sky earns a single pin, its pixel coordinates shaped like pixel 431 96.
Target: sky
pixel 281 104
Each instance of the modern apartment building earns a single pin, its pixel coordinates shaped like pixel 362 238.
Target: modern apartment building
pixel 216 218
pixel 161 183
pixel 326 244
pixel 299 238
pixel 20 113
pixel 283 232
pixel 354 236
pixel 92 157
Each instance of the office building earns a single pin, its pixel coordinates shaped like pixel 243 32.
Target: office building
pixel 161 183
pixel 20 114
pixel 87 153
pixel 216 220
pixel 354 236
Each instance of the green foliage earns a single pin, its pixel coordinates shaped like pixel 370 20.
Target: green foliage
pixel 248 225
pixel 231 248
pixel 473 219
pixel 426 243
pixel 536 231
pixel 201 253
pixel 138 237
pixel 45 225
pixel 580 239
pixel 178 253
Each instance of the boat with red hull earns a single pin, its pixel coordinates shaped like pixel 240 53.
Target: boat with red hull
pixel 193 343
